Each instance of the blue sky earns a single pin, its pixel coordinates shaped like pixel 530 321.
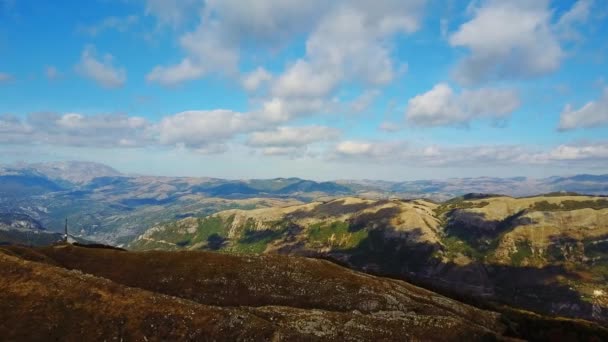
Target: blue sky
pixel 383 89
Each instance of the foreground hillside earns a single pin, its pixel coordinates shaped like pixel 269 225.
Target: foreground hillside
pixel 71 293
pixel 546 253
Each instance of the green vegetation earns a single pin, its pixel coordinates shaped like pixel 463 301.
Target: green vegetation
pixel 455 246
pixel 256 242
pixel 335 234
pixel 458 204
pixel 524 251
pixel 570 205
pixel 212 225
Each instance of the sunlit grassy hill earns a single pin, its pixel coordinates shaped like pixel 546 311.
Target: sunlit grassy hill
pixel 547 253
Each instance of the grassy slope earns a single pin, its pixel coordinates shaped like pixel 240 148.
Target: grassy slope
pixel 568 233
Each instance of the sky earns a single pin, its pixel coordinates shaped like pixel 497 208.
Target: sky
pixel 359 89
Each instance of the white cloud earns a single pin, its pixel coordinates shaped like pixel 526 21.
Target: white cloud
pixel 291 151
pixel 577 15
pixel 388 126
pixel 120 24
pixel 176 74
pixel 256 79
pixel 198 129
pixel 13 130
pixel 5 78
pixel 293 136
pixel 278 110
pixel 103 71
pixel 172 12
pixel 406 153
pixel 74 129
pixel 303 80
pixel 348 39
pixel 441 106
pixel 52 73
pixel 579 152
pixel 592 114
pixel 364 100
pixel 206 52
pixel 354 148
pixel 224 26
pixel 507 39
pixel 265 22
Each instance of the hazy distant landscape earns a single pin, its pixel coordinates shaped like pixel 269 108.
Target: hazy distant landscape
pixel 107 206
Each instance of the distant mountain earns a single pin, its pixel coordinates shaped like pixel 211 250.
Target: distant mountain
pixel 304 186
pixel 20 183
pixel 111 207
pixel 76 172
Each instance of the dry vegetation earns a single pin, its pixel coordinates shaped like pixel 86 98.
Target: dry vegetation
pixel 69 293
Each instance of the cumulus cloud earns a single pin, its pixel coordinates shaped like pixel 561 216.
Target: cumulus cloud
pixel 568 24
pixel 293 136
pixel 103 71
pixel 255 79
pixel 590 152
pixel 390 127
pixel 407 153
pixel 442 106
pixel 13 130
pixel 364 100
pixel 290 151
pixel 507 39
pixel 347 39
pixel 198 129
pixel 73 129
pixel 206 52
pixel 349 44
pixel 213 46
pixel 171 12
pixel 120 24
pixel 592 114
pixel 176 74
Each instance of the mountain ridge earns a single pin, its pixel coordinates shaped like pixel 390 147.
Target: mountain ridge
pixel 553 249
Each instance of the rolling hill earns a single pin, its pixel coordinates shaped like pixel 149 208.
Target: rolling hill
pixel 69 293
pixel 544 253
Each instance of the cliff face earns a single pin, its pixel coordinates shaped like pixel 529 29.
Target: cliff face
pixel 545 253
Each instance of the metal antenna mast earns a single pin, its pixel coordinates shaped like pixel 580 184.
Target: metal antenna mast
pixel 65 236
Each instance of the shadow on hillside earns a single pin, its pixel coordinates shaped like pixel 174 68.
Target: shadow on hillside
pixel 396 254
pixel 380 219
pixel 473 227
pixel 215 242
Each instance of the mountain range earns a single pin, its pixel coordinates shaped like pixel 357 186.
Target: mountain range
pixel 471 239
pixel 107 206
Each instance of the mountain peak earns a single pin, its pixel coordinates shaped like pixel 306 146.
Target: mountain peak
pixel 77 172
